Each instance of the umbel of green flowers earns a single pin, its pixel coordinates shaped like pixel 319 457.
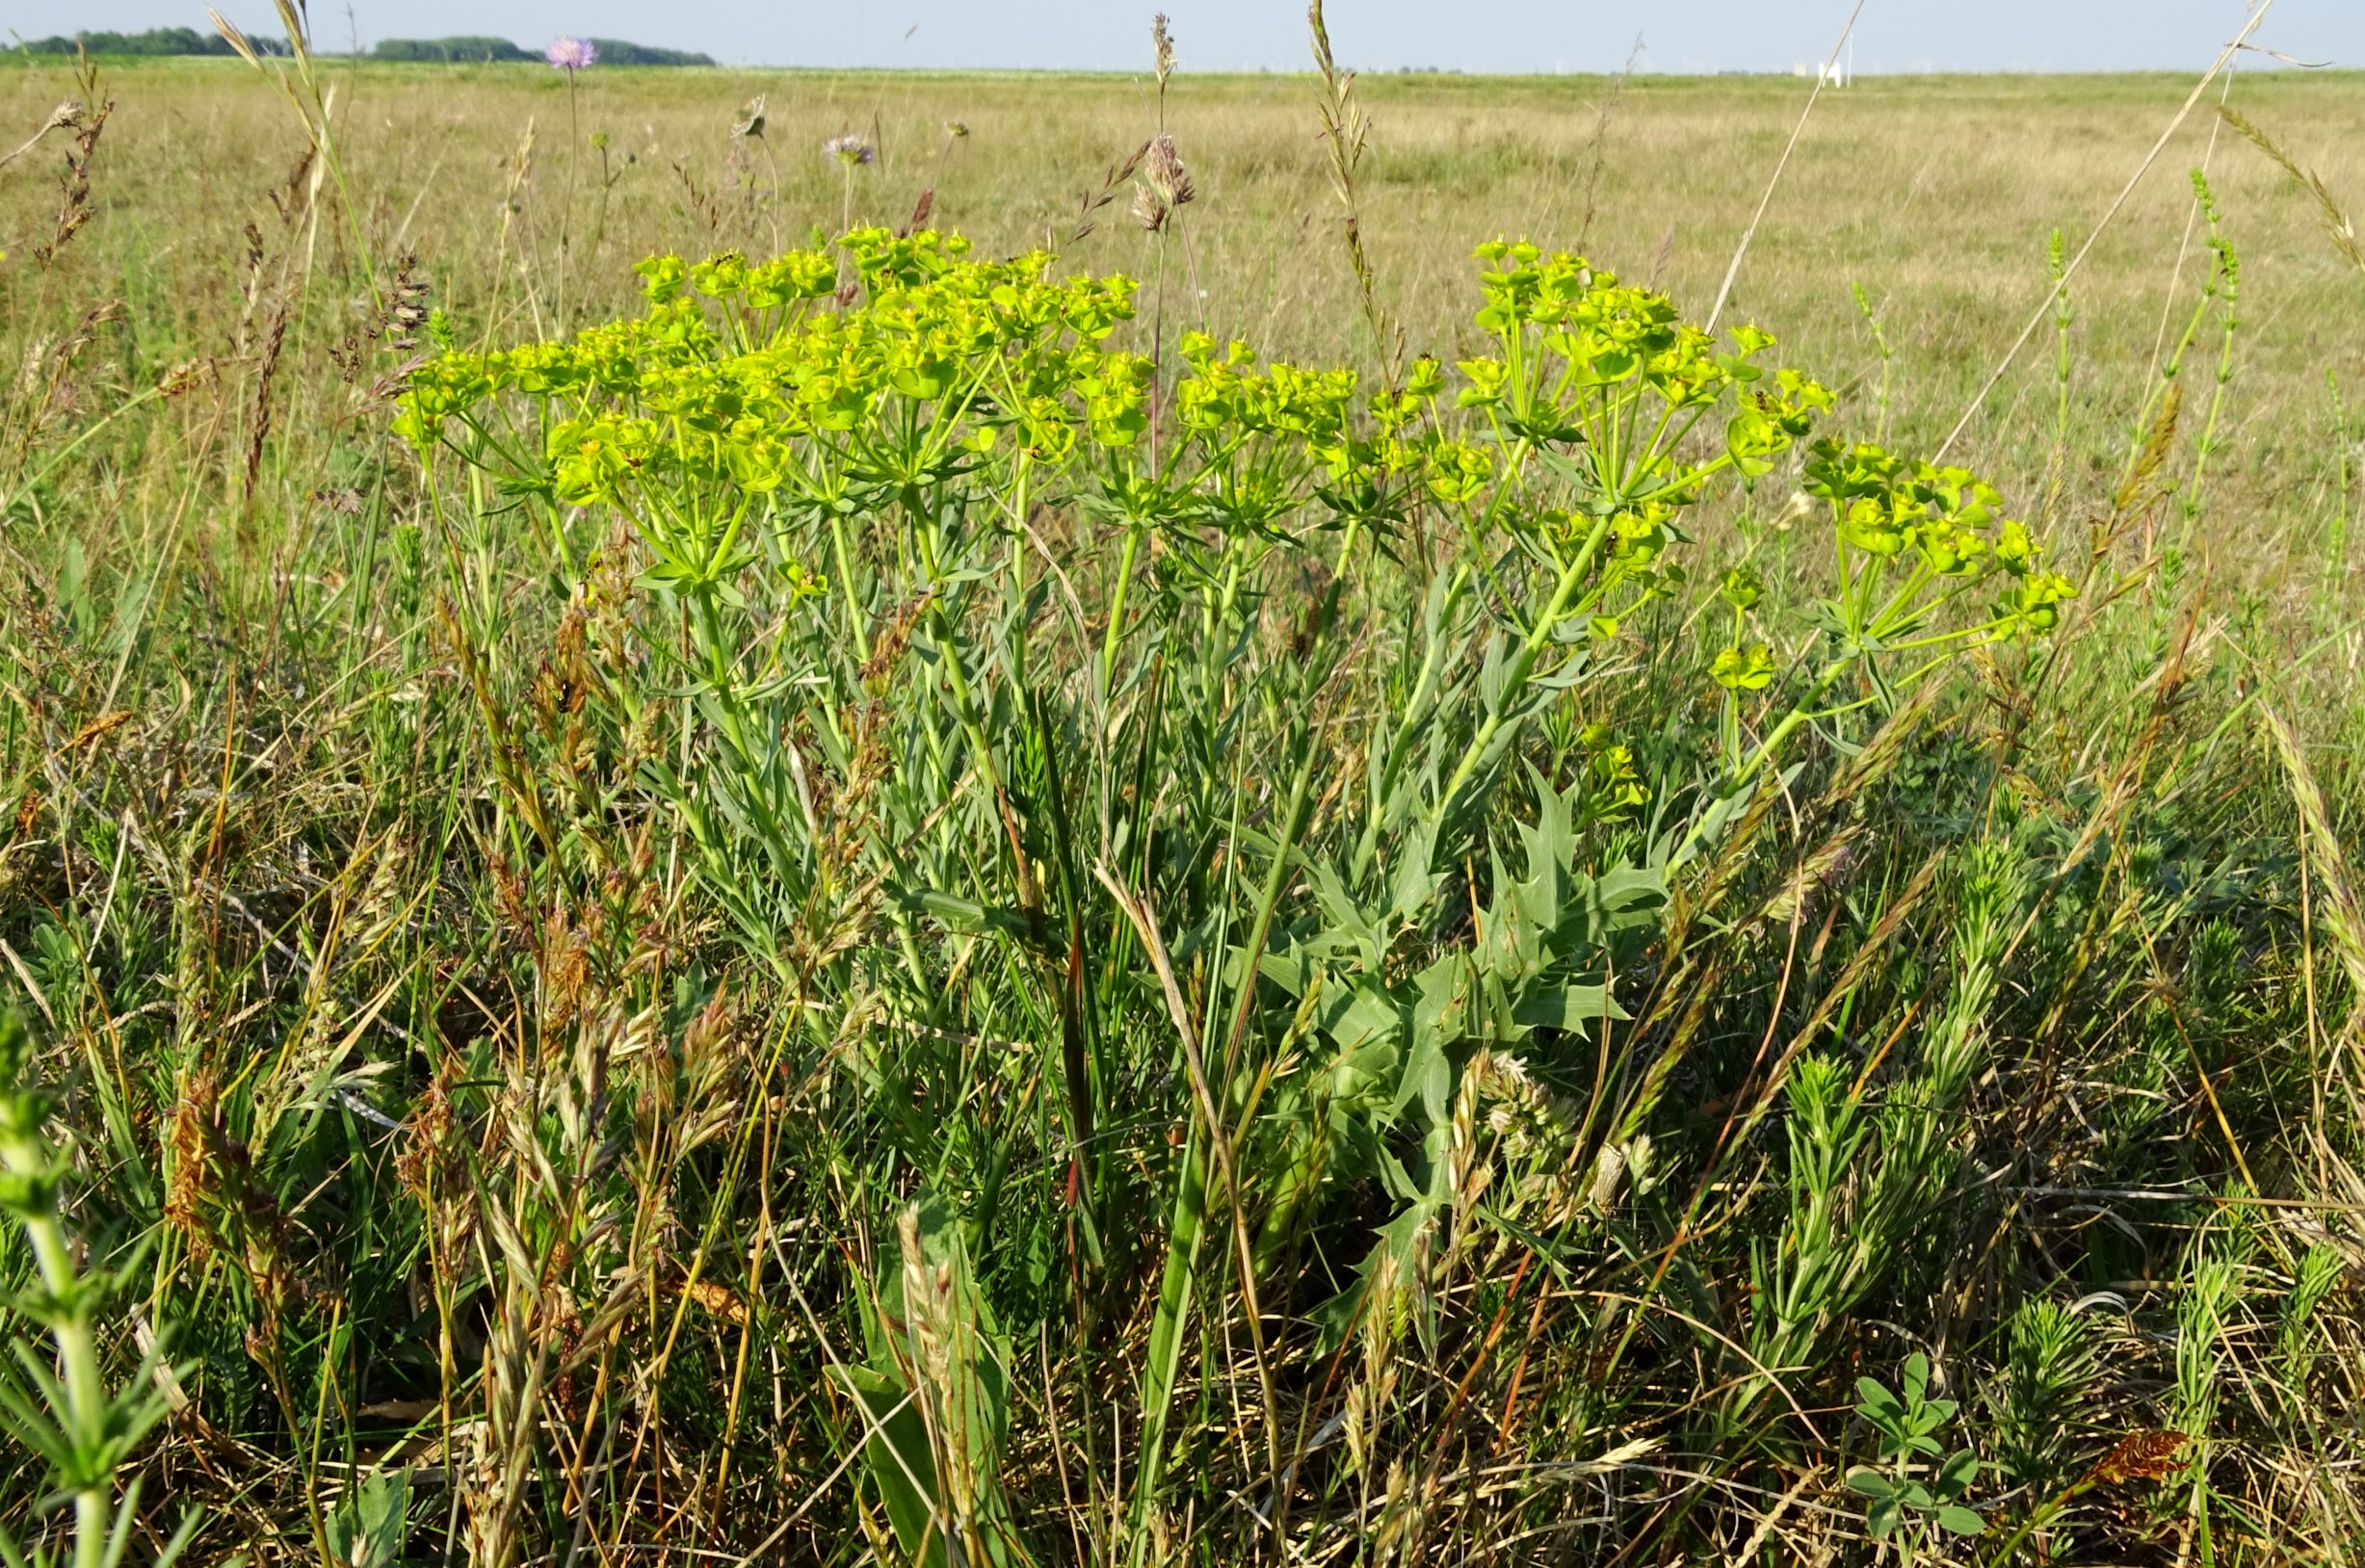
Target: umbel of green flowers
pixel 769 376
pixel 900 381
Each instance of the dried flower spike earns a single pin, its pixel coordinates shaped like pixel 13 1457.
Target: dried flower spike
pixel 2140 1457
pixel 1162 42
pixel 1167 176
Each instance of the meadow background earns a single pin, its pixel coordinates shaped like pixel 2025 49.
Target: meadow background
pixel 301 1011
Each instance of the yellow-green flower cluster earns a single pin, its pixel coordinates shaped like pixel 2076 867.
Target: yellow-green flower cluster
pixel 1227 395
pixel 1611 784
pixel 1948 521
pixel 907 343
pixel 1567 325
pixel 935 337
pixel 1579 354
pixel 901 359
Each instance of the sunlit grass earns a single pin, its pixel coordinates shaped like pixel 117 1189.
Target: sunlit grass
pixel 890 906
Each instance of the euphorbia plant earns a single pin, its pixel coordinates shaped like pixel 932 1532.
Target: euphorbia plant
pixel 1580 451
pixel 834 501
pixel 62 1406
pixel 1910 541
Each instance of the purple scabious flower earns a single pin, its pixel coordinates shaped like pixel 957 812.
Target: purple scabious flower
pixel 571 55
pixel 849 149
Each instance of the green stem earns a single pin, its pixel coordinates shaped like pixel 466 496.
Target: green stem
pixel 965 703
pixel 1018 578
pixel 1117 608
pixel 1801 711
pixel 1165 1329
pixel 86 1399
pixel 1563 593
pixel 846 586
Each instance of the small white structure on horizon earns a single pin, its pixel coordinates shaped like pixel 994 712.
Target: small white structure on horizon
pixel 1833 73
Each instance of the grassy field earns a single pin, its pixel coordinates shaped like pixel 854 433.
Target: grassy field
pixel 924 922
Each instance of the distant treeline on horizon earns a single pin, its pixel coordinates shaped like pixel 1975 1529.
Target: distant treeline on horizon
pixel 187 41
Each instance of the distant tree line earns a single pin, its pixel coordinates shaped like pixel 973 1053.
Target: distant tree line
pixel 618 52
pixel 184 40
pixel 474 51
pixel 156 40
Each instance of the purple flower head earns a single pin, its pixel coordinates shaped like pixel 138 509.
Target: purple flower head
pixel 571 54
pixel 849 149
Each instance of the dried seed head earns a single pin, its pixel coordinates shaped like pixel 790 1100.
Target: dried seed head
pixel 894 638
pixel 1148 210
pixel 751 118
pixel 1163 43
pixel 2140 1457
pixel 192 1182
pixel 1167 176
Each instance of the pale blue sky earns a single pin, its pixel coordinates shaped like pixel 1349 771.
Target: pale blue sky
pixel 1213 34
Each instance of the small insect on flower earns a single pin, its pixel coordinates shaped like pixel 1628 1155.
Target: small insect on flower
pixel 1161 44
pixel 849 149
pixel 570 54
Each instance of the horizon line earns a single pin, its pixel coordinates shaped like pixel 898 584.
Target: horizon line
pixel 27 57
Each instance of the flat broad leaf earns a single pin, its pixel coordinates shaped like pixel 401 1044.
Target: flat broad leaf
pixel 1875 1400
pixel 1960 1521
pixel 1870 1483
pixel 896 1455
pixel 1570 1009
